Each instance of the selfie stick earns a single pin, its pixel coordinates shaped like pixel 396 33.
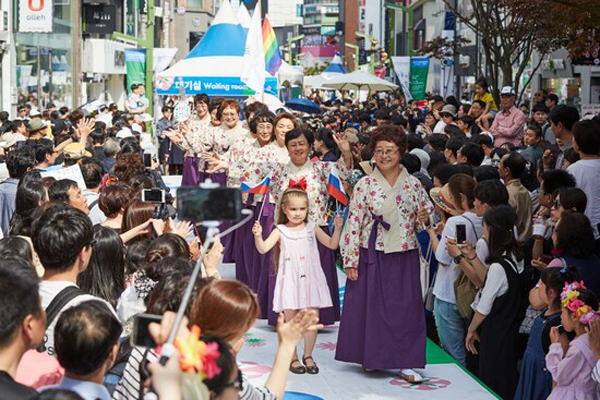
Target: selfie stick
pixel 213 232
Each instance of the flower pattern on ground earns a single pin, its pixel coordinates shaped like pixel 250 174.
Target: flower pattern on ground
pixel 253 370
pixel 428 384
pixel 327 346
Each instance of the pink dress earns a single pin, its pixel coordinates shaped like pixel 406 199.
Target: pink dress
pixel 572 372
pixel 300 281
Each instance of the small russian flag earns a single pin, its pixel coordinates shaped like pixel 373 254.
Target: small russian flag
pixel 261 187
pixel 335 187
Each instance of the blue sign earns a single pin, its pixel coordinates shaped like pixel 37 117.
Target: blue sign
pixel 212 86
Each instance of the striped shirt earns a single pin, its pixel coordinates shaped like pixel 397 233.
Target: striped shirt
pixel 131 382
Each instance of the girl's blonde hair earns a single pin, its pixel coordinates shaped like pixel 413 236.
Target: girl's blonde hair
pixel 282 219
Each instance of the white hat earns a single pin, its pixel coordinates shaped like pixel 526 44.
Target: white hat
pixel 507 91
pixel 34 112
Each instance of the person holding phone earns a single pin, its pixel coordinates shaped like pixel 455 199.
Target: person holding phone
pixel 456 198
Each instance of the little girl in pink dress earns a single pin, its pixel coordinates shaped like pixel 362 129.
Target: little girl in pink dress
pixel 571 364
pixel 300 281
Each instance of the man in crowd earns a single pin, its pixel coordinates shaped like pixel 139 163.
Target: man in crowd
pixel 18 162
pixel 92 172
pixel 62 238
pixel 512 167
pixel 89 329
pixel 22 323
pixel 562 118
pixel 509 123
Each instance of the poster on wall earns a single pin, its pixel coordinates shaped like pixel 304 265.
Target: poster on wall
pixel 35 16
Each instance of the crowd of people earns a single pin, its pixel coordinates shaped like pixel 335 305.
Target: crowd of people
pixel 471 224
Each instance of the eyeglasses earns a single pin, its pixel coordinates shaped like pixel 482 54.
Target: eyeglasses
pixel 386 152
pixel 556 204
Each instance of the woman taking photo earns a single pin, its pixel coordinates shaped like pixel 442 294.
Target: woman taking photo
pixel 381 260
pixel 457 199
pixel 500 308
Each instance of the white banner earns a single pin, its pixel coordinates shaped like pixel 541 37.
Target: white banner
pixel 402 68
pixel 35 15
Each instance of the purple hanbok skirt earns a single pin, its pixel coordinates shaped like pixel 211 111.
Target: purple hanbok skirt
pixel 253 268
pixel 383 323
pixel 192 176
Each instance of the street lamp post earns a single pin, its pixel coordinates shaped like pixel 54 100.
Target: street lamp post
pixel 374 43
pixel 356 50
pixel 409 29
pixel 290 41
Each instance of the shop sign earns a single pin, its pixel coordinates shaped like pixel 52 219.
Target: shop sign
pixel 99 19
pixel 35 15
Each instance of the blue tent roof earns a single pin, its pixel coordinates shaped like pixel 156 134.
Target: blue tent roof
pixel 336 66
pixel 225 37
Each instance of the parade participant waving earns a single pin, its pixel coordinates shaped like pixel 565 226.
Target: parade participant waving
pixel 381 261
pixel 301 283
pixel 193 136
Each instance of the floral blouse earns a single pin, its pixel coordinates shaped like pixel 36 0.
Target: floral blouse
pixel 316 176
pixel 251 153
pixel 367 199
pixel 198 138
pixel 223 138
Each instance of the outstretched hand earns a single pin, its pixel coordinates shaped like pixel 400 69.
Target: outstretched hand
pixel 292 331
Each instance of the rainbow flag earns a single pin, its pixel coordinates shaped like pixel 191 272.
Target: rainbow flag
pixel 272 54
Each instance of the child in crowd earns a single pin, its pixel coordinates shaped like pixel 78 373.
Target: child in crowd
pixel 535 382
pixel 482 93
pixel 571 364
pixel 300 281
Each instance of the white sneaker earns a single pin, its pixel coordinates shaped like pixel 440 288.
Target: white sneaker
pixel 411 376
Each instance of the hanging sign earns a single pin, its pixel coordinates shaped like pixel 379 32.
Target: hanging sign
pixel 35 15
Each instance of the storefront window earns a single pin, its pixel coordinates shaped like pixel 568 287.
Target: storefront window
pixel 567 89
pixel 44 61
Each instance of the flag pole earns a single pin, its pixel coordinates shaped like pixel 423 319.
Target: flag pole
pixel 265 198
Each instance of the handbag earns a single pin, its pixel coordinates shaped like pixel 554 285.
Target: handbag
pixel 465 292
pixel 424 263
pixel 429 296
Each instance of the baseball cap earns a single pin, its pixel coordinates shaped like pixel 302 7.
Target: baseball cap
pixel 34 112
pixel 75 151
pixel 507 91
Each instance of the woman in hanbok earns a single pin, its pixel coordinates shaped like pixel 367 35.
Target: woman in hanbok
pixel 194 134
pixel 383 323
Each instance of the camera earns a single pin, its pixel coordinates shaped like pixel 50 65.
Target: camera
pixel 197 204
pixel 156 196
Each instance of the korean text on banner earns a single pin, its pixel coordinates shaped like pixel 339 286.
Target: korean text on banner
pixel 35 16
pixel 419 71
pixel 135 64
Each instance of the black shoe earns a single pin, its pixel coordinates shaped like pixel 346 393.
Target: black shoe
pixel 313 370
pixel 301 369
